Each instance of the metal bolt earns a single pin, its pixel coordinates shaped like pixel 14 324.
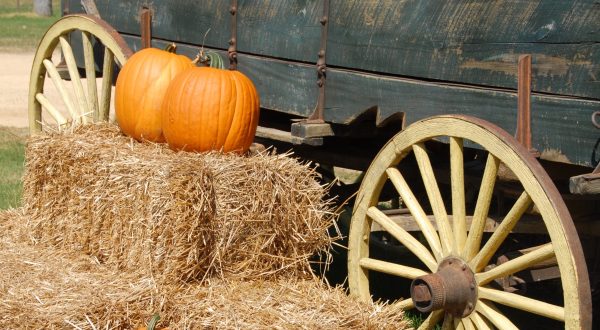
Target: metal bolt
pixel 472 286
pixel 469 306
pixel 464 267
pixel 233 10
pixel 323 20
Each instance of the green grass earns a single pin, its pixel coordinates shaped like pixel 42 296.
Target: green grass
pixel 415 320
pixel 20 28
pixel 12 157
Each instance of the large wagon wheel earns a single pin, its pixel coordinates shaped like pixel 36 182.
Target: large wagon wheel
pixel 454 284
pixel 83 107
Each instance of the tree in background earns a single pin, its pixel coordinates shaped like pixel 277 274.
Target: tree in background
pixel 42 7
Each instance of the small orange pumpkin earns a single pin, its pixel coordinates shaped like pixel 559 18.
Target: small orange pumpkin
pixel 140 89
pixel 207 108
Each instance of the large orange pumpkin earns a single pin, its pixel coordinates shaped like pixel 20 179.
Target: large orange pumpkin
pixel 140 89
pixel 210 109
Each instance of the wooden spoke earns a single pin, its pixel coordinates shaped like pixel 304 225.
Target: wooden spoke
pixel 391 268
pixel 540 254
pixel 457 180
pixel 479 322
pixel 90 73
pixel 506 226
pixel 107 73
pixel 458 324
pixel 83 105
pixel 498 319
pixel 449 322
pixel 58 117
pixel 435 199
pixel 404 305
pixel 60 86
pixel 431 320
pixel 75 79
pixel 482 207
pixel 467 324
pixel 523 303
pixel 403 237
pixel 416 210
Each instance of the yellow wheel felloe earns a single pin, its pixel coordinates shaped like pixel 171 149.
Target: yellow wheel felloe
pixel 87 105
pixel 449 237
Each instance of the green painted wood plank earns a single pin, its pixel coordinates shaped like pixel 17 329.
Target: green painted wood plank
pixel 464 41
pixel 563 124
pixel 276 28
pixel 472 42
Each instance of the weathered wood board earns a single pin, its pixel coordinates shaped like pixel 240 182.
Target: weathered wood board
pixel 465 41
pixel 421 58
pixel 560 124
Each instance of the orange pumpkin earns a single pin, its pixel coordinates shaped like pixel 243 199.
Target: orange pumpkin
pixel 140 89
pixel 210 109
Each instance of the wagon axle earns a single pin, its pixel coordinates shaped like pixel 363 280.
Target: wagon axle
pixel 452 288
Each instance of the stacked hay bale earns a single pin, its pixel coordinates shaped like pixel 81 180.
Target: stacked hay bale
pixel 178 214
pixel 113 231
pixel 53 288
pixel 127 204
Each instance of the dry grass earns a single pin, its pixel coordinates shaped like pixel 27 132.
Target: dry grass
pixel 50 288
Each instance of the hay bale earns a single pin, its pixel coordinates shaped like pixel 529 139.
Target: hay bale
pixel 179 215
pixel 51 288
pixel 128 204
pixel 271 214
pixel 42 287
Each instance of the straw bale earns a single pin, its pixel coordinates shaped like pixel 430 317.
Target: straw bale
pixel 179 215
pixel 129 204
pixel 271 214
pixel 51 288
pixel 43 287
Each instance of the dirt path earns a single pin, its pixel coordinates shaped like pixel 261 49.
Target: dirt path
pixel 14 86
pixel 14 89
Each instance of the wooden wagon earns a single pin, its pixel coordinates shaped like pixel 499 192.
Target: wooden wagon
pixel 475 122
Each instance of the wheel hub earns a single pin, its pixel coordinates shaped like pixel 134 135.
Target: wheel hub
pixel 452 288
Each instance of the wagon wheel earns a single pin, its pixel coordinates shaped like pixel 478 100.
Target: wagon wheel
pixel 453 285
pixel 82 107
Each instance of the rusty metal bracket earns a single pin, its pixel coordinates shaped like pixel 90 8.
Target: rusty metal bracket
pixel 314 128
pixel 232 51
pixel 524 101
pixel 317 115
pixel 64 5
pixel 146 27
pixel 524 104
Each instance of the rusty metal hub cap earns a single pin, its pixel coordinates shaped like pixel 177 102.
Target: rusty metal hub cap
pixel 452 288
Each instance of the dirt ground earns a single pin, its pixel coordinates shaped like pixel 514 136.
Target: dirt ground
pixel 14 89
pixel 14 86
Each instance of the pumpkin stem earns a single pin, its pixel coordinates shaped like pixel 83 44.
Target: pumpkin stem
pixel 216 61
pixel 153 321
pixel 171 48
pixel 210 59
